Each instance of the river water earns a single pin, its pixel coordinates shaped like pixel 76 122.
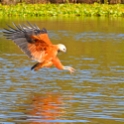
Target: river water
pixel 94 94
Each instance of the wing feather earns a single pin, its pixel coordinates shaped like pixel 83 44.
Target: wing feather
pixel 33 41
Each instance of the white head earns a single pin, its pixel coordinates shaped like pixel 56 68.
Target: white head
pixel 62 47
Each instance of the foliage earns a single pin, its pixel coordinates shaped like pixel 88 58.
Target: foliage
pixel 28 10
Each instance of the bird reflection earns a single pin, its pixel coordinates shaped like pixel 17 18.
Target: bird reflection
pixel 46 107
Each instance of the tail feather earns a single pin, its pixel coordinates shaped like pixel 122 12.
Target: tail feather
pixel 33 67
pixel 37 66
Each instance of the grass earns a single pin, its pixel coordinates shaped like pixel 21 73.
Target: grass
pixel 28 10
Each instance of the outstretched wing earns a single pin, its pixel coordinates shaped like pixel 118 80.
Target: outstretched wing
pixel 30 39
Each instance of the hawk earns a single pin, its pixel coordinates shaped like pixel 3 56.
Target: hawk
pixel 35 43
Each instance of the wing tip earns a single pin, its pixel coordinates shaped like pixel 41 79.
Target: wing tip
pixel 43 30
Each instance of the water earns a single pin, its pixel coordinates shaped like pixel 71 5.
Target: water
pixel 94 94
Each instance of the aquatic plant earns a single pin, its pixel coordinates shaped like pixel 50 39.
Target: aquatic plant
pixel 28 10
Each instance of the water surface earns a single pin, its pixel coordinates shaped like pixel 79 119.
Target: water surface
pixel 94 94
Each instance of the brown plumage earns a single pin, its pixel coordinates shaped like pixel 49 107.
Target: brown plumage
pixel 36 44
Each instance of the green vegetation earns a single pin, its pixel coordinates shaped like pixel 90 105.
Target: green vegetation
pixel 28 10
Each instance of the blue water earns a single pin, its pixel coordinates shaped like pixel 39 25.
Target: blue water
pixel 93 94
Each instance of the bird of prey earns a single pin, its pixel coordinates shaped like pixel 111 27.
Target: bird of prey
pixel 35 43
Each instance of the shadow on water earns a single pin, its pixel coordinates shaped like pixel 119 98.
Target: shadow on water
pixel 93 94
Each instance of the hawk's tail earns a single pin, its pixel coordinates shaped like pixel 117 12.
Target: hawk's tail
pixel 35 67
